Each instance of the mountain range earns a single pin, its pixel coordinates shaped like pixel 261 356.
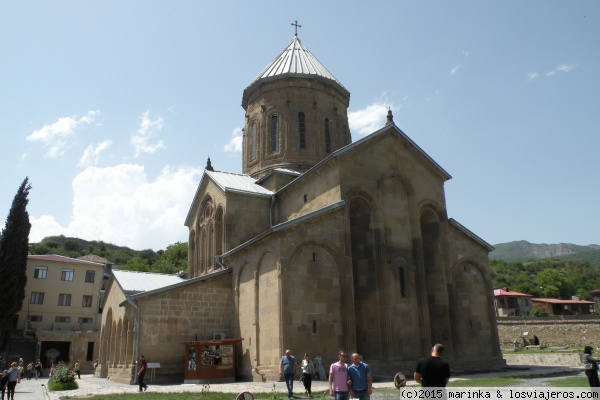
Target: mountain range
pixel 522 250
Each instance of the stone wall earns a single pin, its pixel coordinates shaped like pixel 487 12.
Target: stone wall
pixel 551 332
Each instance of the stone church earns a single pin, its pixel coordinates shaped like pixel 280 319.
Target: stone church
pixel 321 244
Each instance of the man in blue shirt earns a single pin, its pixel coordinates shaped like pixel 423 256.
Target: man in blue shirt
pixel 287 367
pixel 360 379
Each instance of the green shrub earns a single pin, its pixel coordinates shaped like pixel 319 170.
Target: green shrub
pixel 56 386
pixel 538 312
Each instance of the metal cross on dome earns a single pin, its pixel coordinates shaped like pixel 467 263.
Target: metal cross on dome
pixel 296 26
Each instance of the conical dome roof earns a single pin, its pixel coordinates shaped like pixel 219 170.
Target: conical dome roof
pixel 294 61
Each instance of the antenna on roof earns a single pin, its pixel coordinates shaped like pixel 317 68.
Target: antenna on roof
pixel 296 26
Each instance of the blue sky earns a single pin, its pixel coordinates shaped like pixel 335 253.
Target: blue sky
pixel 111 108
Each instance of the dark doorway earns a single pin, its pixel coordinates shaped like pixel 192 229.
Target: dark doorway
pixel 54 352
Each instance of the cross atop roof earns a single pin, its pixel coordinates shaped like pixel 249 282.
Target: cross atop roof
pixel 296 26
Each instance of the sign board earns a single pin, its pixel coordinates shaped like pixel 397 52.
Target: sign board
pixel 153 365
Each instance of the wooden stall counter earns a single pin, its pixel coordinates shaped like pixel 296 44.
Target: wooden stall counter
pixel 210 361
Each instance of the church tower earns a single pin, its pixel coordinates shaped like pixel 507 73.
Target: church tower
pixel 296 114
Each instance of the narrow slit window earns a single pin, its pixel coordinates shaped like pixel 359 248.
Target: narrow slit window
pixel 327 137
pixel 253 142
pixel 274 127
pixel 402 283
pixel 301 130
pixel 314 326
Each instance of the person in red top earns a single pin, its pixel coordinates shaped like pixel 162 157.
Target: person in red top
pixel 141 373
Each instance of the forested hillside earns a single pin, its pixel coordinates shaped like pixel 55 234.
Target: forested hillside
pixel 524 251
pixel 546 278
pixel 169 261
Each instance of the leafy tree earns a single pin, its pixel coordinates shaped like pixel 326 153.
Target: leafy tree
pixel 172 260
pixel 14 246
pixel 554 283
pixel 136 264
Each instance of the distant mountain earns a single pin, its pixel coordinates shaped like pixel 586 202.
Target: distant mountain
pixel 525 251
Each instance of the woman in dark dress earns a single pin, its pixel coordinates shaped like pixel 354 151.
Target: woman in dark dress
pixel 591 366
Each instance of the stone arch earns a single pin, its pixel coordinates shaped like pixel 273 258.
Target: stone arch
pixel 433 261
pixel 113 344
pixel 475 327
pixel 192 251
pixel 318 271
pixel 367 273
pixel 104 355
pixel 268 306
pixel 120 345
pixel 219 230
pixel 282 132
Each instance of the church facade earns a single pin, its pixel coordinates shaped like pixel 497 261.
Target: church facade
pixel 338 244
pixel 321 244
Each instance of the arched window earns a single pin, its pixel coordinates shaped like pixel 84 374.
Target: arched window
pixel 327 137
pixel 253 144
pixel 301 130
pixel 274 133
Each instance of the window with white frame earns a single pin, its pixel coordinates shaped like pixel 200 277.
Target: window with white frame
pixel 67 274
pixel 87 301
pixel 37 298
pixel 64 299
pixel 40 272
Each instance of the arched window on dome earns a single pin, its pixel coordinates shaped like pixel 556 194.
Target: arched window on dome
pixel 274 127
pixel 253 142
pixel 301 130
pixel 327 137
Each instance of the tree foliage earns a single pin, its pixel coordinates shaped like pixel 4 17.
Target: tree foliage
pixel 14 245
pixel 546 278
pixel 169 261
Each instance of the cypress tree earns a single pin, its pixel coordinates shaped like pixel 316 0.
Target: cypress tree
pixel 14 247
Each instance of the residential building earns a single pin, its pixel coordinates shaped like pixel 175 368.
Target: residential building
pixel 511 304
pixel 61 308
pixel 564 307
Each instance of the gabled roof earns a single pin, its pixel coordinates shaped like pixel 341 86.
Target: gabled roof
pixel 411 145
pixel 507 293
pixel 470 234
pixel 228 182
pixel 294 61
pixel 132 282
pixel 62 259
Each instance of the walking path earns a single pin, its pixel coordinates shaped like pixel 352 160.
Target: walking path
pixel 90 385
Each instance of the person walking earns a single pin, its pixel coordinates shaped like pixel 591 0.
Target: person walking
pixel 29 370
pixel 591 366
pixel 338 377
pixel 433 371
pixel 141 373
pixel 3 382
pixel 287 367
pixel 14 377
pixel 77 369
pixel 360 378
pixel 308 370
pixel 38 369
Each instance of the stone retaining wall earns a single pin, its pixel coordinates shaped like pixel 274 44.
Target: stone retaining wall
pixel 551 332
pixel 563 360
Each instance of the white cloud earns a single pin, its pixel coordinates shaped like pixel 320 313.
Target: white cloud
pixel 121 206
pixel 532 75
pixel 235 144
pixel 455 69
pixel 141 139
pixel 561 68
pixel 91 154
pixel 369 119
pixel 59 136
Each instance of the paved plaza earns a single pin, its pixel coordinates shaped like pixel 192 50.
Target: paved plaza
pixel 90 385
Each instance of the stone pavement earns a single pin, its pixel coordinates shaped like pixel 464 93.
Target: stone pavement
pixel 89 385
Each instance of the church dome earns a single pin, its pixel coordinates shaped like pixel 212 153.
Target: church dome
pixel 294 61
pixel 296 114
